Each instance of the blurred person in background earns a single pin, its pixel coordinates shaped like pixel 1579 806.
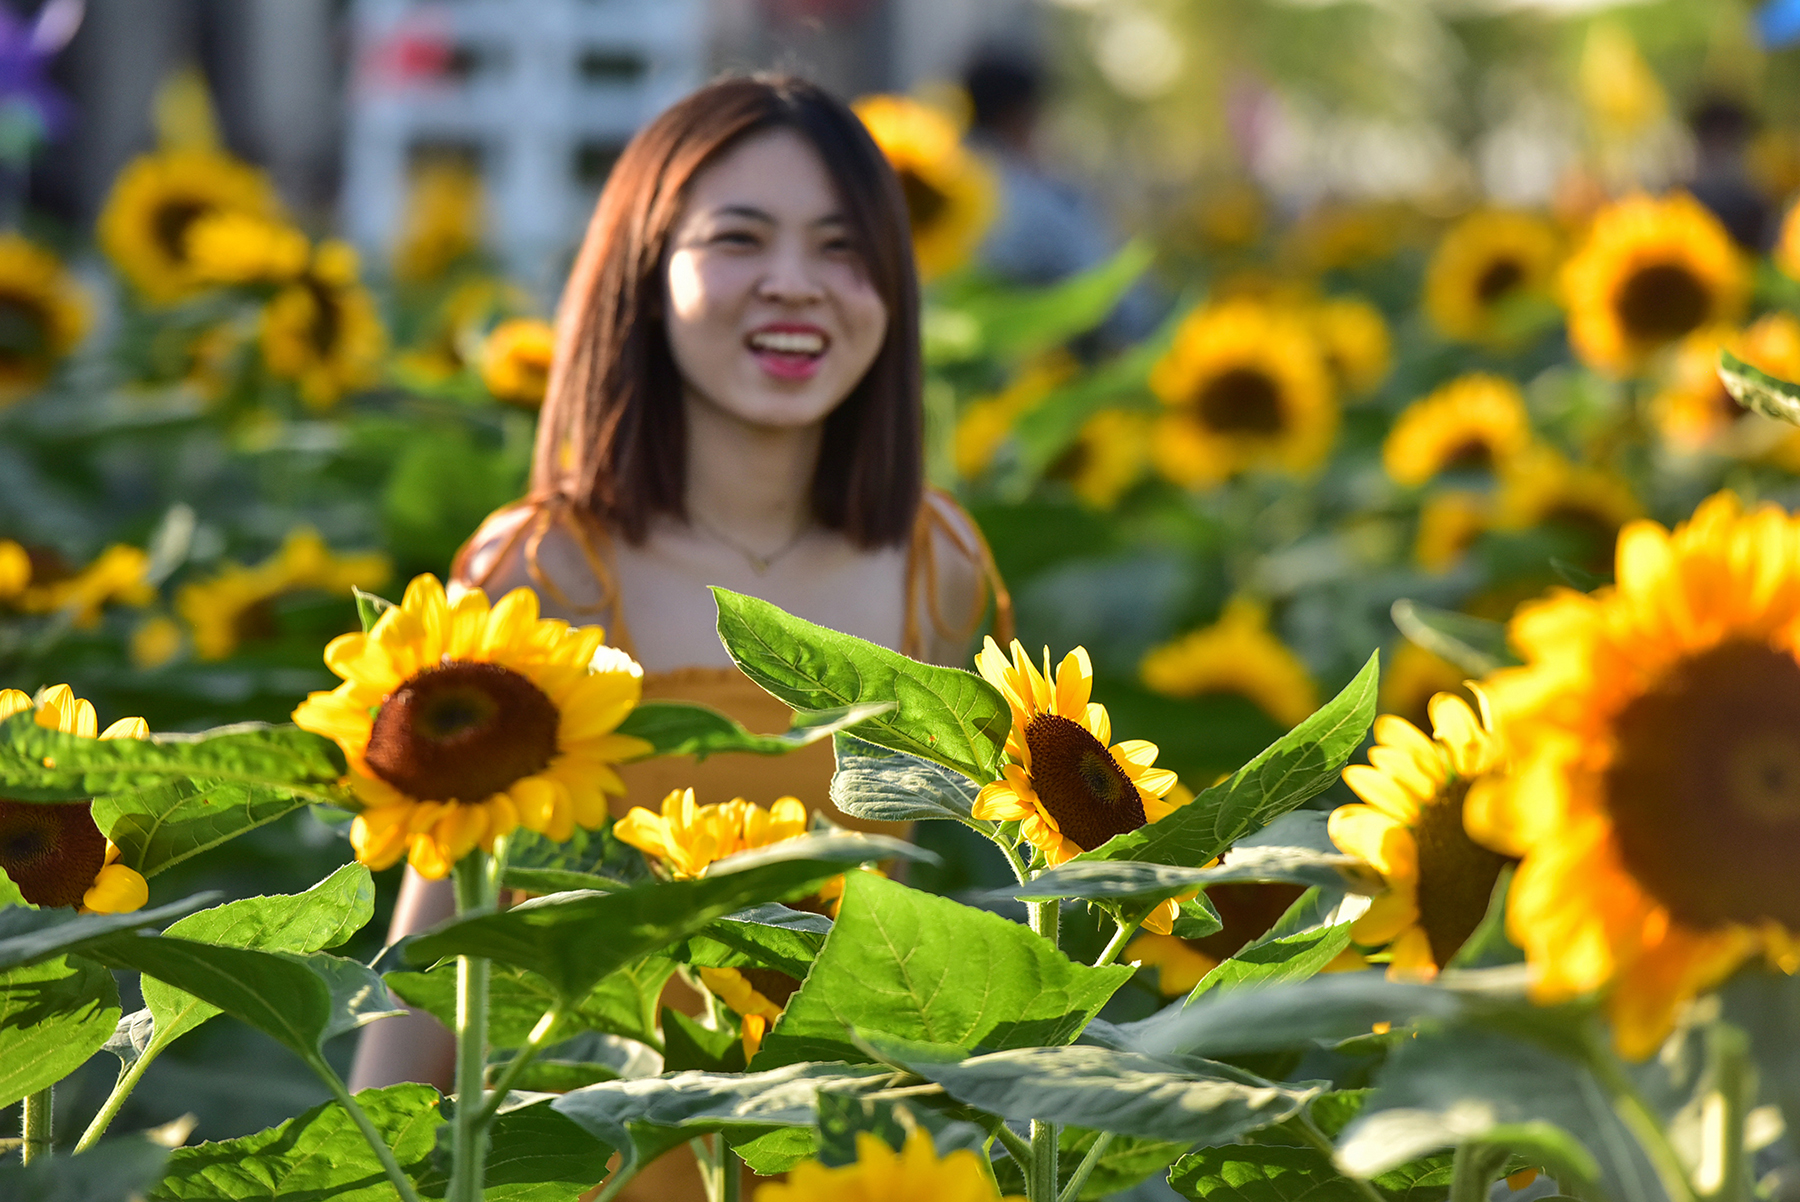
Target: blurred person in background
pixel 1722 129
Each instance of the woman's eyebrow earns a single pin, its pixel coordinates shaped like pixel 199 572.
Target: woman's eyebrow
pixel 749 211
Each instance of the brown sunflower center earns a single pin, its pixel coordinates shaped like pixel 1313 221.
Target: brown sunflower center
pixel 778 987
pixel 1662 302
pixel 1247 909
pixel 327 322
pixel 51 852
pixel 24 329
pixel 1500 278
pixel 462 732
pixel 169 226
pixel 1241 401
pixel 255 622
pixel 1704 787
pixel 1079 783
pixel 925 202
pixel 1456 874
pixel 1472 454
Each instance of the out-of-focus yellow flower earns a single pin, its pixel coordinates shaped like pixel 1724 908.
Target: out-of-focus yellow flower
pixel 1354 338
pixel 1486 260
pixel 15 569
pixel 1231 216
pixel 1618 87
pixel 880 1174
pixel 1244 385
pixel 1787 244
pixel 1410 829
pixel 444 215
pixel 323 331
pixel 1543 488
pixel 234 247
pixel 232 606
pixel 1449 524
pixel 154 203
pixel 688 838
pixel 116 575
pixel 950 193
pixel 756 995
pixel 463 721
pixel 1412 676
pixel 1108 456
pixel 986 421
pixel 156 641
pixel 1476 421
pixel 515 360
pixel 1694 412
pixel 1649 273
pixel 1236 655
pixel 1654 795
pixel 1338 235
pixel 56 854
pixel 43 315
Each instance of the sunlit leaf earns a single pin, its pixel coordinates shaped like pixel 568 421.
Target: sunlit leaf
pixel 114 1170
pixel 53 1016
pixel 684 728
pixel 1756 389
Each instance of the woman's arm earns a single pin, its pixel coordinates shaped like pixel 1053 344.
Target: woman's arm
pixel 415 1047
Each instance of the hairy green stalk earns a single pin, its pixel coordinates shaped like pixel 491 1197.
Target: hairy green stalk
pixel 1473 1170
pixel 474 889
pixel 1040 1175
pixel 39 1108
pixel 1072 1189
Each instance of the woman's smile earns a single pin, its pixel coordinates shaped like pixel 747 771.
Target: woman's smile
pixel 788 350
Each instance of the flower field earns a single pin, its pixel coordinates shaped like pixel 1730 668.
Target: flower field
pixel 1394 794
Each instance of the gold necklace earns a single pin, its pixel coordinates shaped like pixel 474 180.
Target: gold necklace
pixel 759 563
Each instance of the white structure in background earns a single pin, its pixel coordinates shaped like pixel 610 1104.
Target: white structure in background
pixel 538 95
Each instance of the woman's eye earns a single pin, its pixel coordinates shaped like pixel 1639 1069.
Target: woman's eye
pixel 734 238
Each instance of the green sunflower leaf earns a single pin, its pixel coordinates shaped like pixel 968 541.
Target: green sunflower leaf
pixel 1300 944
pixel 1297 767
pixel 945 715
pixel 160 826
pixel 28 935
pixel 1758 390
pixel 53 1016
pixel 843 1115
pixel 321 917
pixel 316 1155
pixel 622 1003
pixel 1476 645
pixel 369 607
pixel 1128 1093
pixel 574 939
pixel 767 936
pixel 1015 323
pixel 878 785
pixel 1132 880
pixel 683 728
pixel 645 1118
pixel 536 1155
pixel 1261 1173
pixel 1124 1162
pixel 910 964
pixel 115 1170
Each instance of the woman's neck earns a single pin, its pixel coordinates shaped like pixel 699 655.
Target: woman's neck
pixel 749 483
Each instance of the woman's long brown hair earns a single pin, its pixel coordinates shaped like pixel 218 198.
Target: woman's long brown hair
pixel 612 438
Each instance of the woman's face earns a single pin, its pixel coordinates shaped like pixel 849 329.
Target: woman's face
pixel 770 313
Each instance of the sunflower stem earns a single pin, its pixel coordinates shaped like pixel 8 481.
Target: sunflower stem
pixel 38 1110
pixel 1639 1118
pixel 115 1101
pixel 1020 1150
pixel 1085 1169
pixel 1723 1114
pixel 1120 938
pixel 540 1036
pixel 1010 852
pixel 1472 1171
pixel 474 883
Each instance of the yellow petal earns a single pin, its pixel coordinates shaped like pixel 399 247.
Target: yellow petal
pixel 116 890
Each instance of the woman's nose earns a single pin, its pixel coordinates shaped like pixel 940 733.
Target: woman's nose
pixel 791 278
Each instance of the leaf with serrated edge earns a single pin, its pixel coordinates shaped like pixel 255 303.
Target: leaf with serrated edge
pixel 1295 768
pixel 535 1155
pixel 912 964
pixel 646 1117
pixel 622 1003
pixel 879 785
pixel 319 918
pixel 1123 1092
pixel 53 1016
pixel 1756 389
pixel 768 936
pixel 114 1170
pixel 947 715
pixel 683 728
pixel 158 827
pixel 30 935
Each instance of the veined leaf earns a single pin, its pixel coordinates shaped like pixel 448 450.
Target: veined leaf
pixel 537 1155
pixel 647 1117
pixel 683 728
pixel 53 1016
pixel 1130 880
pixel 1105 1090
pixel 1295 768
pixel 114 1170
pixel 28 935
pixel 574 939
pixel 587 860
pixel 1476 645
pixel 1261 1173
pixel 880 785
pixel 321 917
pixel 767 936
pixel 843 1115
pixel 1756 389
pixel 922 967
pixel 945 715
pixel 622 1003
pixel 159 826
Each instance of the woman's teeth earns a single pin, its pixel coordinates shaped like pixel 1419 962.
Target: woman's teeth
pixel 784 343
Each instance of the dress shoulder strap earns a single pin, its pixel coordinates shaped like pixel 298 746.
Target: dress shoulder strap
pixel 513 537
pixel 944 528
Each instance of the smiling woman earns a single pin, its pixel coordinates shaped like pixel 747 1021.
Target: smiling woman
pixel 735 400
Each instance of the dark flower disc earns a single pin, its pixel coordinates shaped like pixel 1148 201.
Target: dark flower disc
pixel 51 852
pixel 462 732
pixel 1079 782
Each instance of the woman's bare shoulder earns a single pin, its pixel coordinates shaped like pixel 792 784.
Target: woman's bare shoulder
pixel 541 547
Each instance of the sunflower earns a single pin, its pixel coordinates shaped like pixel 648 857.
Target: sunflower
pixel 1449 524
pixel 1354 338
pixel 687 838
pixel 1412 677
pixel 1694 412
pixel 1246 909
pixel 119 573
pixel 322 331
pixel 985 421
pixel 879 1174
pixel 155 642
pixel 1477 421
pixel 15 569
pixel 950 193
pixel 1244 385
pixel 1649 272
pixel 234 247
pixel 1787 243
pixel 1065 787
pixel 155 202
pixel 1108 456
pixel 55 854
pixel 461 722
pixel 455 334
pixel 43 314
pixel 1543 488
pixel 442 224
pixel 1439 880
pixel 1235 655
pixel 756 995
pixel 1655 798
pixel 1487 260
pixel 234 605
pixel 515 360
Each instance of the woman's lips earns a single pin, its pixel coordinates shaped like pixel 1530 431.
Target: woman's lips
pixel 788 352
